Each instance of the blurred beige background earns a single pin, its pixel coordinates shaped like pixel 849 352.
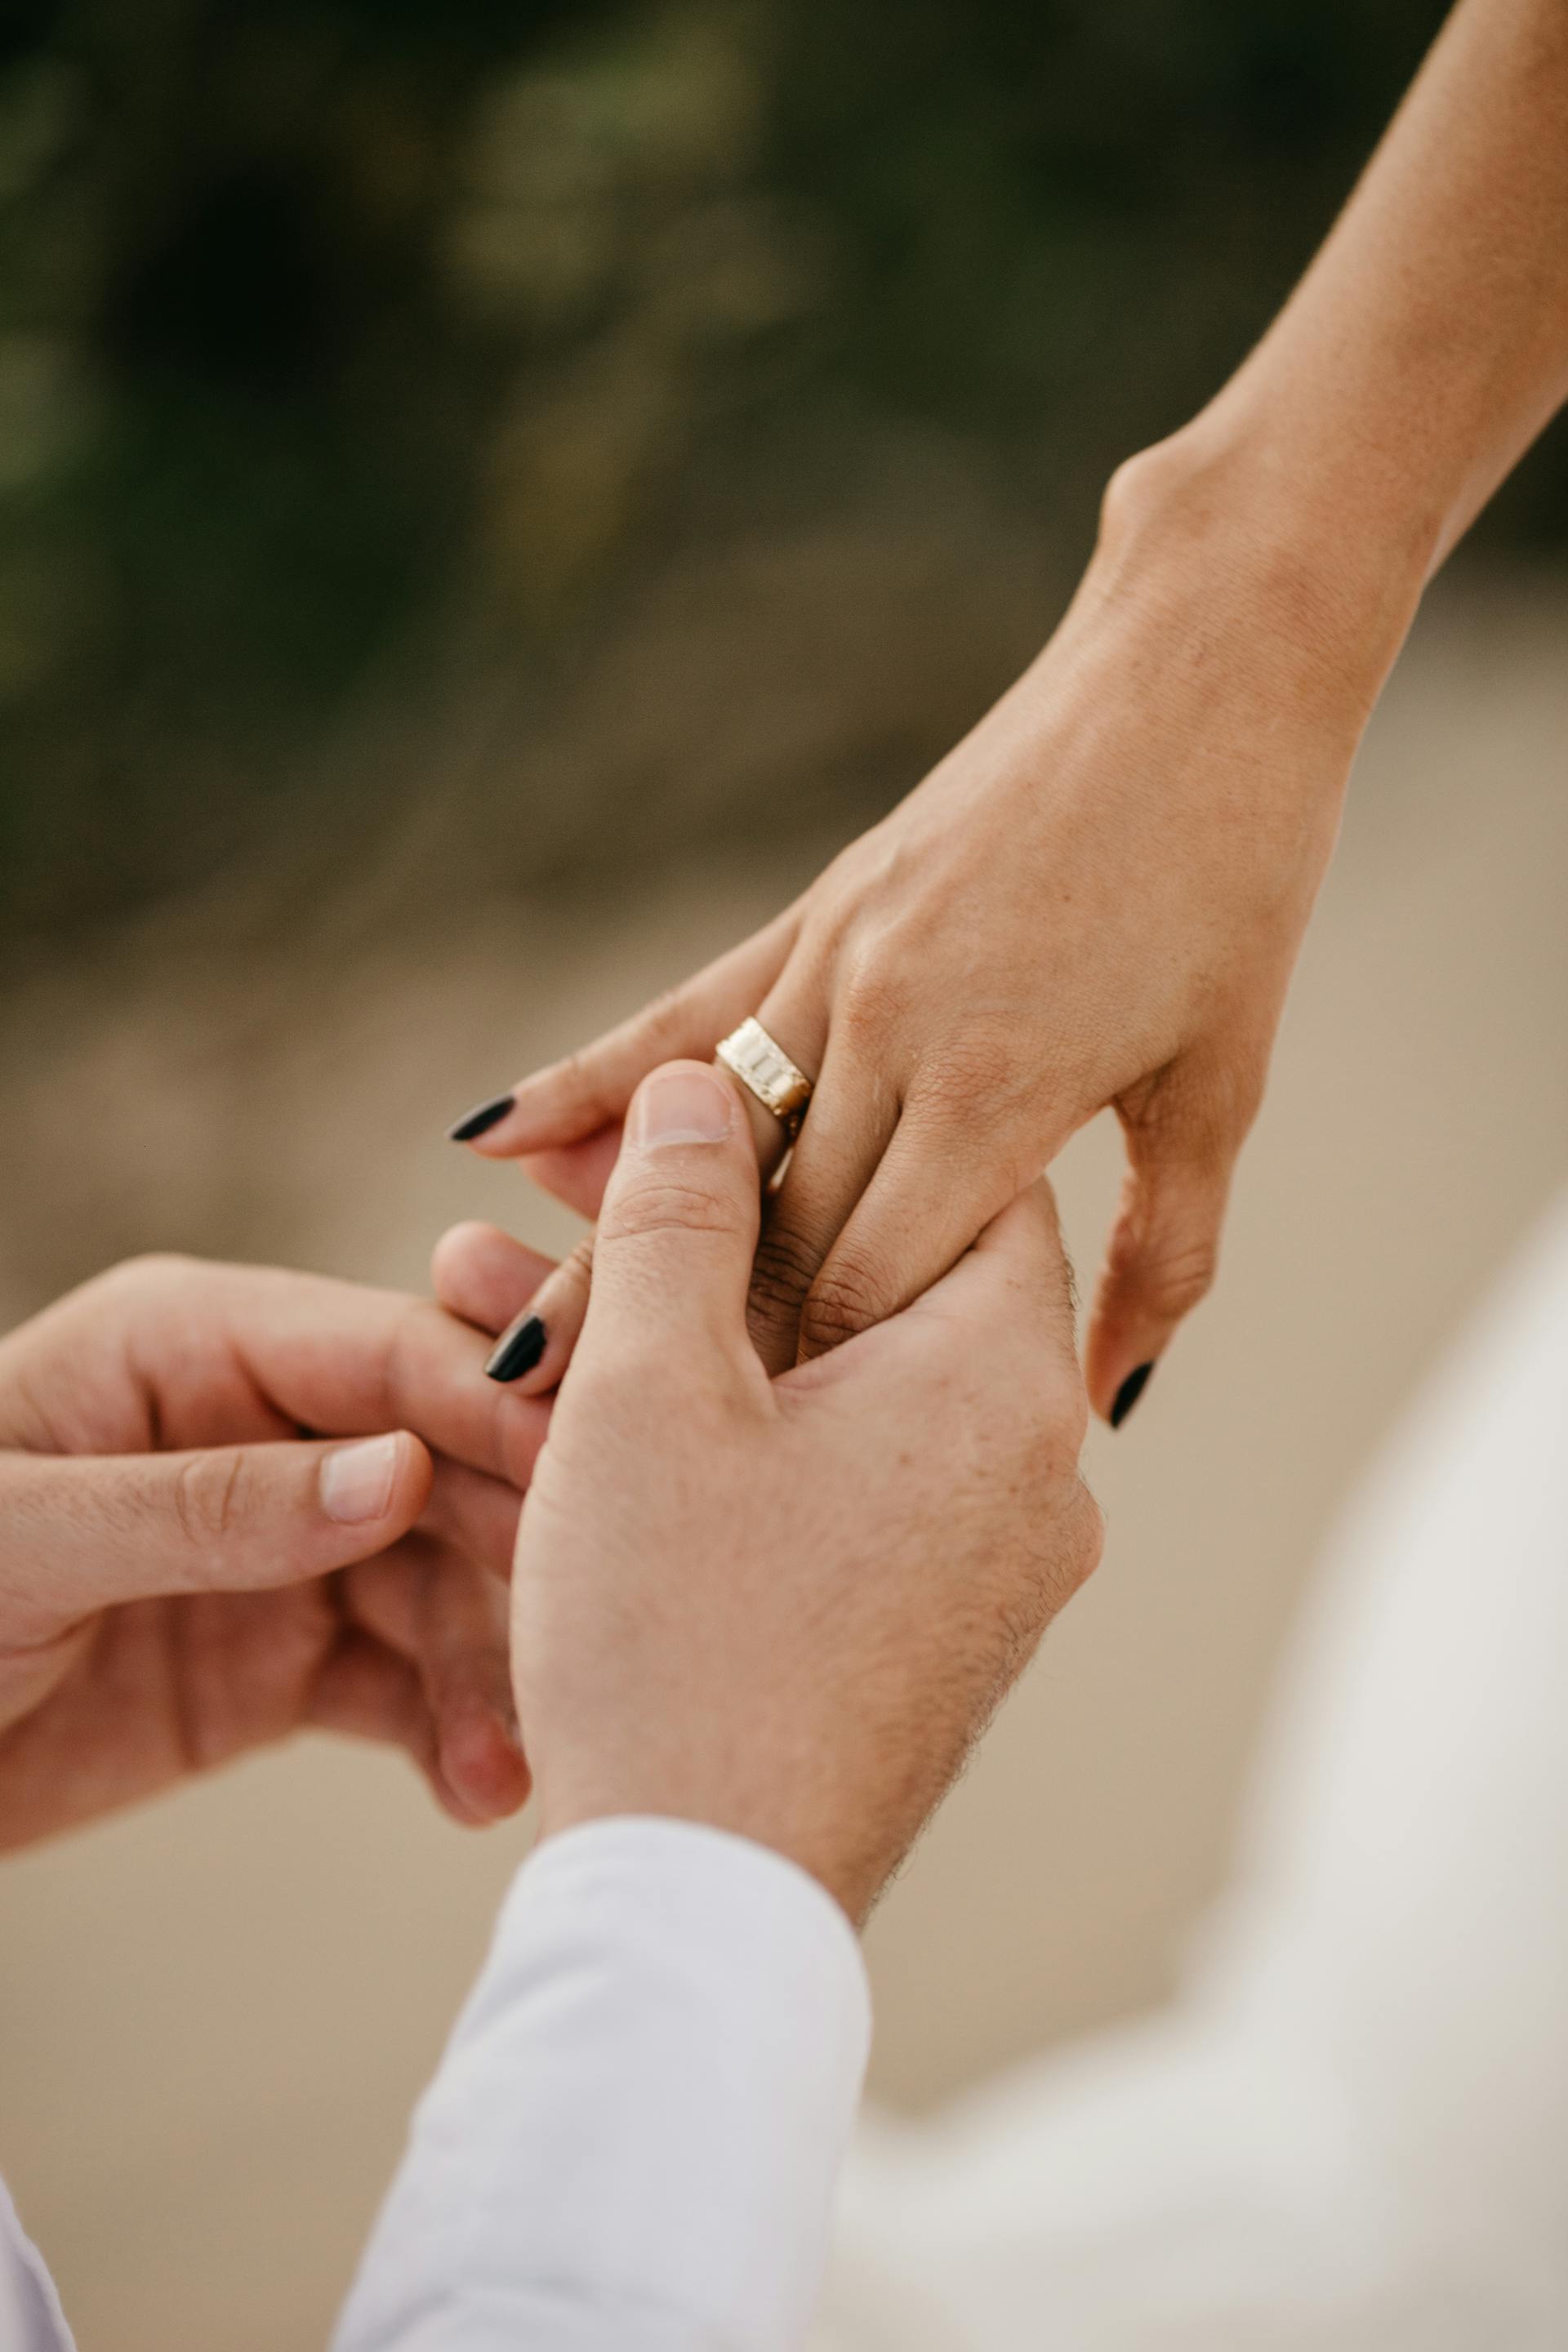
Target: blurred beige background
pixel 213 2016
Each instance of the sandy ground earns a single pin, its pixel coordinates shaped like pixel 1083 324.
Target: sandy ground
pixel 213 2017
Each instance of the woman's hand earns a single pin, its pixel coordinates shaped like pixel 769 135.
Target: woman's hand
pixel 1096 901
pixel 194 1564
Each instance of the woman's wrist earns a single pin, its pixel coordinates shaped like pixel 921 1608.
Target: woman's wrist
pixel 1219 522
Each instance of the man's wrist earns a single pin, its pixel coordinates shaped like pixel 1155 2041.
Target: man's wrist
pixel 643 2109
pixel 853 1879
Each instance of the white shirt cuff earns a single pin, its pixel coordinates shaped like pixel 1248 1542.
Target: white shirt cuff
pixel 634 2136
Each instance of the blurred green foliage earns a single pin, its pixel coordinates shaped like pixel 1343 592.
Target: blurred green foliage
pixel 323 325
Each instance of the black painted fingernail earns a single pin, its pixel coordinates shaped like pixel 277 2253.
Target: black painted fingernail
pixel 518 1350
pixel 481 1118
pixel 1128 1394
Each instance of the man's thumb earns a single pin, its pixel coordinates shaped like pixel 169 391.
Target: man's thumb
pixel 672 1259
pixel 84 1532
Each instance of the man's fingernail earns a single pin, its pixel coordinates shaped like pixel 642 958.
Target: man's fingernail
pixel 357 1480
pixel 518 1350
pixel 1128 1394
pixel 687 1104
pixel 481 1118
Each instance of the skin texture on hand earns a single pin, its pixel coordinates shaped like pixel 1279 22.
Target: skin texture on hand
pixel 785 1606
pixel 194 1564
pixel 1096 901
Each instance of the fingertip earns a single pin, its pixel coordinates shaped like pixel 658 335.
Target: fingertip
pixel 534 1348
pixel 485 1275
pixel 519 1349
pixel 1120 1353
pixel 1128 1393
pixel 453 1253
pixel 1118 1365
pixel 477 1127
pixel 482 1766
pixel 552 1109
pixel 1160 1264
pixel 413 1475
pixel 375 1482
pixel 683 1102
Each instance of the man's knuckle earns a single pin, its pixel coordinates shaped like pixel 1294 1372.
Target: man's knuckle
pixel 1071 1552
pixel 1066 1549
pixel 1089 1533
pixel 209 1496
pixel 669 1206
pixel 390 1369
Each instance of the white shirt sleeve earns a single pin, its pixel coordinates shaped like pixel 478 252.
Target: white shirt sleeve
pixel 632 2140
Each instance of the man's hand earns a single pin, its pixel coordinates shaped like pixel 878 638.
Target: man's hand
pixel 191 1566
pixel 783 1606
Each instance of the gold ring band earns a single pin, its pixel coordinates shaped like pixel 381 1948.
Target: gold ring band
pixel 765 1070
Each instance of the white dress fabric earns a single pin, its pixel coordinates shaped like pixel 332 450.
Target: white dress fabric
pixel 1351 2135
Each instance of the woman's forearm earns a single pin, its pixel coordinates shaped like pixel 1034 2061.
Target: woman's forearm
pixel 1427 345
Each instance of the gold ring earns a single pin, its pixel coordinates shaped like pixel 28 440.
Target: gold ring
pixel 765 1070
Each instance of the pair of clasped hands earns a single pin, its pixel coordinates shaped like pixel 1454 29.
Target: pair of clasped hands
pixel 237 1502
pixel 798 1492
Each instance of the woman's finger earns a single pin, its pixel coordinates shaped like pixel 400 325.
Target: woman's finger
pixel 795 1015
pixel 334 1356
pixel 578 1173
pixel 1163 1251
pixel 590 1090
pixel 485 1274
pixel 1002 1314
pixel 852 1117
pixel 936 1187
pixel 481 1274
pixel 533 1351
